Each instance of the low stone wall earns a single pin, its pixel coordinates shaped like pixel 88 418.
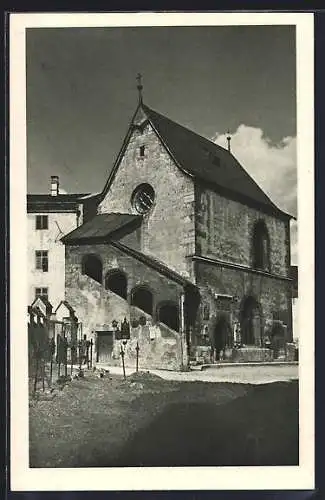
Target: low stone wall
pixel 252 355
pixel 159 346
pixel 203 354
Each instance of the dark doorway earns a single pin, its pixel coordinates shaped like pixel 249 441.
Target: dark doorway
pixel 169 315
pixel 222 333
pixel 104 346
pixel 251 325
pixel 278 338
pixel 116 282
pixel 92 267
pixel 142 298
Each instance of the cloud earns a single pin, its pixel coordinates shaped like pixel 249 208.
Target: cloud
pixel 272 165
pixel 62 191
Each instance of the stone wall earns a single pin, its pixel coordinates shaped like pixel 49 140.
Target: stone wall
pixel 168 229
pixel 159 346
pixel 225 230
pixel 274 295
pixel 136 272
pixel 96 308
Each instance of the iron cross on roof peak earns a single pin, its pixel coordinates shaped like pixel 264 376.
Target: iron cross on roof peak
pixel 229 140
pixel 139 86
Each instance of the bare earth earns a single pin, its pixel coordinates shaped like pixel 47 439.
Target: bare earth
pixel 146 420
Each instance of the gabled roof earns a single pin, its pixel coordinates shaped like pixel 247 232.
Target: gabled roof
pixel 153 263
pixel 207 161
pixel 67 305
pixel 49 203
pixel 201 159
pixel 45 301
pixel 100 228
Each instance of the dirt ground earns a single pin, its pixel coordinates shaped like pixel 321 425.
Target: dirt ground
pixel 145 420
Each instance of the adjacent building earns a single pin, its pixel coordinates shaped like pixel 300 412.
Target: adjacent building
pixel 51 216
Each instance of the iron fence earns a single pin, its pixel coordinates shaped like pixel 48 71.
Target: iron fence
pixel 56 350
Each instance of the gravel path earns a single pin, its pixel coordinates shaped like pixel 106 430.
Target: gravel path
pixel 234 374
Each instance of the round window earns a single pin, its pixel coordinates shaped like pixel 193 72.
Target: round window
pixel 142 198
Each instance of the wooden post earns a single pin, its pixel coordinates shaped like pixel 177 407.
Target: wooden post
pixel 122 355
pixel 91 353
pixel 65 357
pixel 71 358
pixel 137 357
pixel 79 353
pixel 36 372
pixel 51 368
pixel 88 353
pixel 182 333
pixel 43 375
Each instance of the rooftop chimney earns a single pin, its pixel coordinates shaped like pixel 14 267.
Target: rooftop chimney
pixel 54 185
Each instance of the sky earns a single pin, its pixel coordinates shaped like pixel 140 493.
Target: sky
pixel 81 95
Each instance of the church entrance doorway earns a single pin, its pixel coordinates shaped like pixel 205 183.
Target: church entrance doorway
pixel 251 324
pixel 221 337
pixel 278 338
pixel 104 346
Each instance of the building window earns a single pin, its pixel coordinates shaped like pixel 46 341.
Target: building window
pixel 142 150
pixel 42 260
pixel 142 198
pixel 261 247
pixel 42 292
pixel 42 222
pixel 92 266
pixel 116 282
pixel 142 298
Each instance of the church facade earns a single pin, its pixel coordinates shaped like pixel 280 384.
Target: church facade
pixel 185 249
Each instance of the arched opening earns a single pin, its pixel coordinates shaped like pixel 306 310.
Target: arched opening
pixel 251 322
pixel 261 247
pixel 169 315
pixel 222 335
pixel 277 337
pixel 116 282
pixel 92 266
pixel 142 298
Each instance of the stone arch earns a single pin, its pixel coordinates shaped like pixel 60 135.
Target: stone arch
pixel 261 246
pixel 92 266
pixel 142 297
pixel 116 281
pixel 251 321
pixel 168 313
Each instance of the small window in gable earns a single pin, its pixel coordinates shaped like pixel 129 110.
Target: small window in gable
pixel 142 151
